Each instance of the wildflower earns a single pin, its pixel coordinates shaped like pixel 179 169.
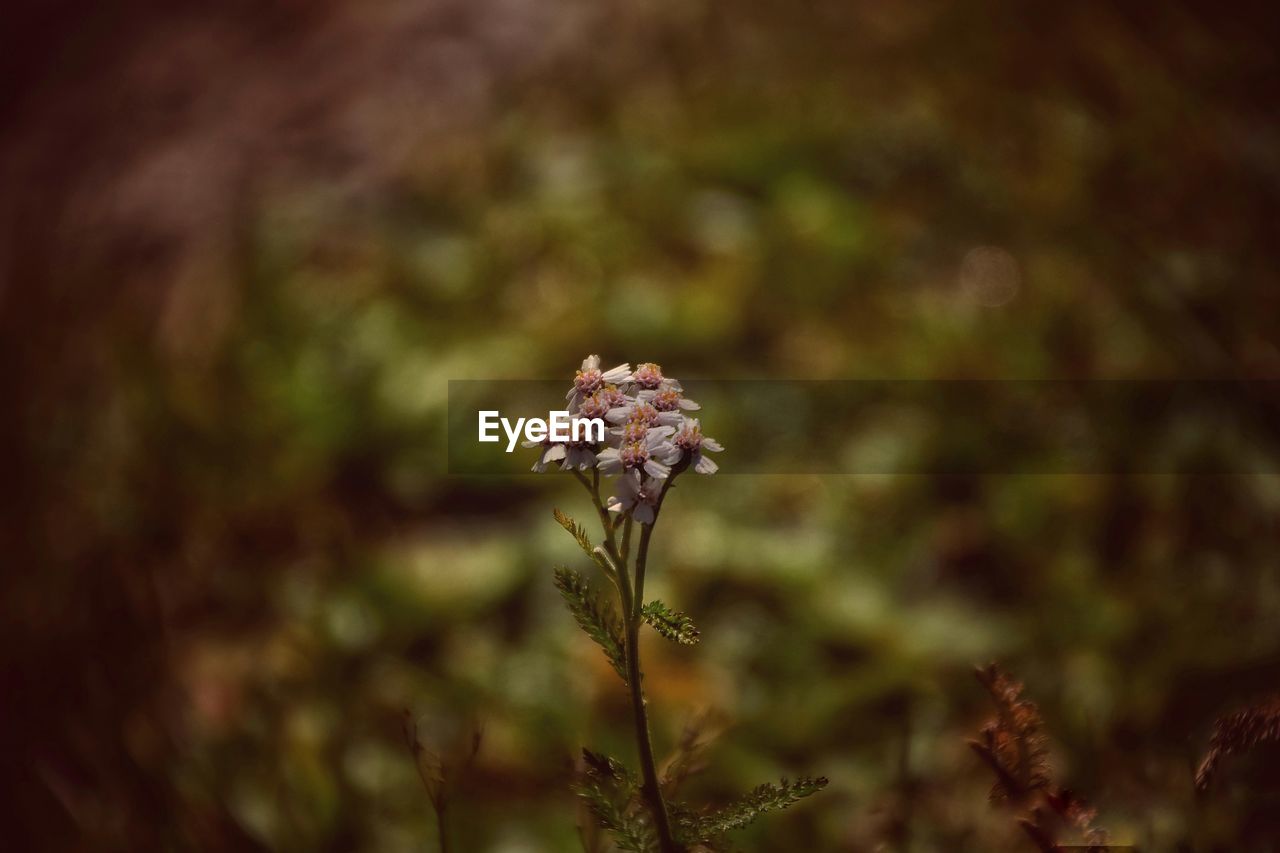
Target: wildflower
pixel 648 376
pixel 668 400
pixel 574 453
pixel 691 440
pixel 552 451
pixel 648 441
pixel 580 454
pixel 596 405
pixel 638 496
pixel 628 432
pixel 640 412
pixel 590 379
pixel 613 395
pixel 653 453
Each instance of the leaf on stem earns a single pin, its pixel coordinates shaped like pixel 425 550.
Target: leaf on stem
pixel 579 534
pixel 576 530
pixel 1012 742
pixel 595 616
pixel 706 828
pixel 1238 733
pixel 609 791
pixel 675 626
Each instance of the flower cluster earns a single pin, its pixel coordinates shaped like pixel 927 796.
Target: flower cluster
pixel 649 434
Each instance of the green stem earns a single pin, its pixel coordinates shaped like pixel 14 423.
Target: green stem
pixel 650 788
pixel 632 600
pixel 646 531
pixel 593 488
pixel 626 539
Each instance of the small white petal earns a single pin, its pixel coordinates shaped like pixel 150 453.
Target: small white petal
pixel 617 375
pixel 704 464
pixel 609 461
pixel 656 469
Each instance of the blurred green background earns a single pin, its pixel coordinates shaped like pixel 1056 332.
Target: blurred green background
pixel 246 246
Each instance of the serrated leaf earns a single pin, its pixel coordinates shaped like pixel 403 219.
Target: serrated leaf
pixel 576 530
pixel 595 616
pixel 675 626
pixel 609 791
pixel 765 798
pixel 579 534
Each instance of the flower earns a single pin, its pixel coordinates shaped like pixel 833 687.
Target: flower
pixel 570 454
pixel 638 496
pixel 691 440
pixel 579 454
pixel 590 379
pixel 668 399
pixel 653 453
pixel 627 433
pixel 597 405
pixel 614 396
pixel 647 376
pixel 640 412
pixel 551 452
pixel 648 433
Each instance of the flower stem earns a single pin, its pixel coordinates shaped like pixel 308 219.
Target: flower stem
pixel 632 600
pixel 593 488
pixel 626 540
pixel 646 531
pixel 650 787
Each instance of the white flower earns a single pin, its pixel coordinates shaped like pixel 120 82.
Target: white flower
pixel 597 405
pixel 580 455
pixel 551 452
pixel 629 432
pixel 668 399
pixel 590 379
pixel 654 454
pixel 639 412
pixel 648 377
pixel 570 454
pixel 691 440
pixel 638 496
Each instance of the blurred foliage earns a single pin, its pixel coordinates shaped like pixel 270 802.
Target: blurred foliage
pixel 230 320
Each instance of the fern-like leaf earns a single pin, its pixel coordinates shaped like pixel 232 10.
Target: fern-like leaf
pixel 706 828
pixel 576 530
pixel 1237 733
pixel 579 534
pixel 595 616
pixel 609 791
pixel 1012 743
pixel 675 626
